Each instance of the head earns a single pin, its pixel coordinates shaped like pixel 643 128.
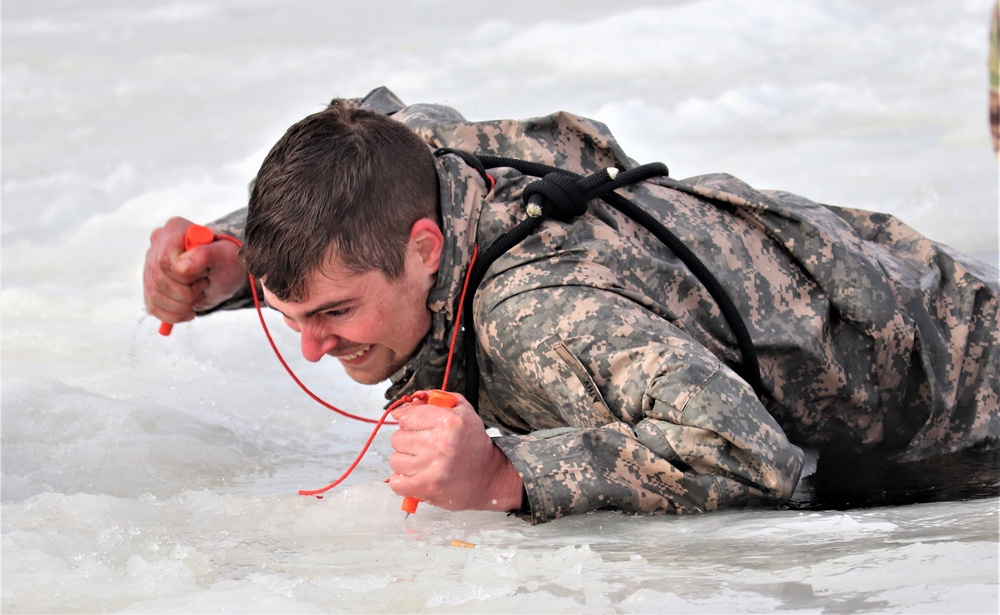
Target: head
pixel 343 232
pixel 344 181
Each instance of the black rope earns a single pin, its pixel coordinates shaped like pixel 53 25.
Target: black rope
pixel 470 159
pixel 564 195
pixel 750 368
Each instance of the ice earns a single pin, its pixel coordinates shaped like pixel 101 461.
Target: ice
pixel 159 475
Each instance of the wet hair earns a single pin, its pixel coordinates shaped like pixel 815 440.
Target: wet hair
pixel 345 183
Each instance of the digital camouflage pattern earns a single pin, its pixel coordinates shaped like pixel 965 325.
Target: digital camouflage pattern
pixel 607 365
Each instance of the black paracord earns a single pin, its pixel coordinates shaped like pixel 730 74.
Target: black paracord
pixel 563 195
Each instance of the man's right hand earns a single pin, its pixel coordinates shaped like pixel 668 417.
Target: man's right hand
pixel 176 283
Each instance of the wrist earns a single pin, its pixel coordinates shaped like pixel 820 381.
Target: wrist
pixel 506 488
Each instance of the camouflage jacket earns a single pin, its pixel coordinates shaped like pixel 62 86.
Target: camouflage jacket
pixel 606 364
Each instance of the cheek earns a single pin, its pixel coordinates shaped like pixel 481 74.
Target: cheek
pixel 418 323
pixel 402 318
pixel 404 324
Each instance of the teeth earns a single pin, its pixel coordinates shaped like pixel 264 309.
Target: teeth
pixel 350 357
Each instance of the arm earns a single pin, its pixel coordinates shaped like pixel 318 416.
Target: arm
pixel 628 411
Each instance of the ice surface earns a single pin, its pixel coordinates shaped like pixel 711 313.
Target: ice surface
pixel 150 474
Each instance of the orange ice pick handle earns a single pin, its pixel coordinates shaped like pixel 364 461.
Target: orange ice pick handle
pixel 434 398
pixel 196 235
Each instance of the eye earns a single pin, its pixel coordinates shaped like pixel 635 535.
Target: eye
pixel 338 313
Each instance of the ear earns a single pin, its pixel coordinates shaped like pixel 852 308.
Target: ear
pixel 426 244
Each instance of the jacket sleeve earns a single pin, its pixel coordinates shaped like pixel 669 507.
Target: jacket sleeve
pixel 626 411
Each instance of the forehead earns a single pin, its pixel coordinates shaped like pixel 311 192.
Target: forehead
pixel 331 270
pixel 331 281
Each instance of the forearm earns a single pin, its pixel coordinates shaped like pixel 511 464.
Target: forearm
pixel 704 443
pixel 582 470
pixel 574 471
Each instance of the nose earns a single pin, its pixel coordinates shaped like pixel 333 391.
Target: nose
pixel 316 341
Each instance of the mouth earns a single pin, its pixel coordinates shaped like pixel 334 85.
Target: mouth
pixel 355 355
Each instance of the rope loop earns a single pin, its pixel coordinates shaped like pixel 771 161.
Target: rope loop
pixel 561 198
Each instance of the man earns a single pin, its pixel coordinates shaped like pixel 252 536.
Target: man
pixel 603 359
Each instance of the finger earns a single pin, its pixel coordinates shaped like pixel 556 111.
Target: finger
pixel 421 417
pixel 403 464
pixel 186 266
pixel 170 311
pixel 168 257
pixel 403 485
pixel 402 408
pixel 218 252
pixel 182 308
pixel 411 443
pixel 412 487
pixel 199 260
pixel 173 302
pixel 164 280
pixel 166 289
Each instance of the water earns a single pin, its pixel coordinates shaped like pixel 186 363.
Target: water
pixel 150 474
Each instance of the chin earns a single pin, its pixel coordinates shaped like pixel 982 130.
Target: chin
pixel 377 369
pixel 366 379
pixel 364 376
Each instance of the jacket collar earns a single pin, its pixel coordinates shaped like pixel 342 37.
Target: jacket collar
pixel 460 194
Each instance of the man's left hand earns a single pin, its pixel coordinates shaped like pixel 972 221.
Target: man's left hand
pixel 443 456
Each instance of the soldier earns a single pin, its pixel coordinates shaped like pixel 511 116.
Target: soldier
pixel 616 374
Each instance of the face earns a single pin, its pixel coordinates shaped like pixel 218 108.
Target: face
pixel 368 322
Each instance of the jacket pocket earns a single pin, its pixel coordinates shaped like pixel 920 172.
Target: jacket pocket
pixel 571 386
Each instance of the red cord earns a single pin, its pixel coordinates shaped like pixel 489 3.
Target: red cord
pixel 405 399
pixel 458 316
pixel 357 460
pixel 281 359
pixel 277 353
